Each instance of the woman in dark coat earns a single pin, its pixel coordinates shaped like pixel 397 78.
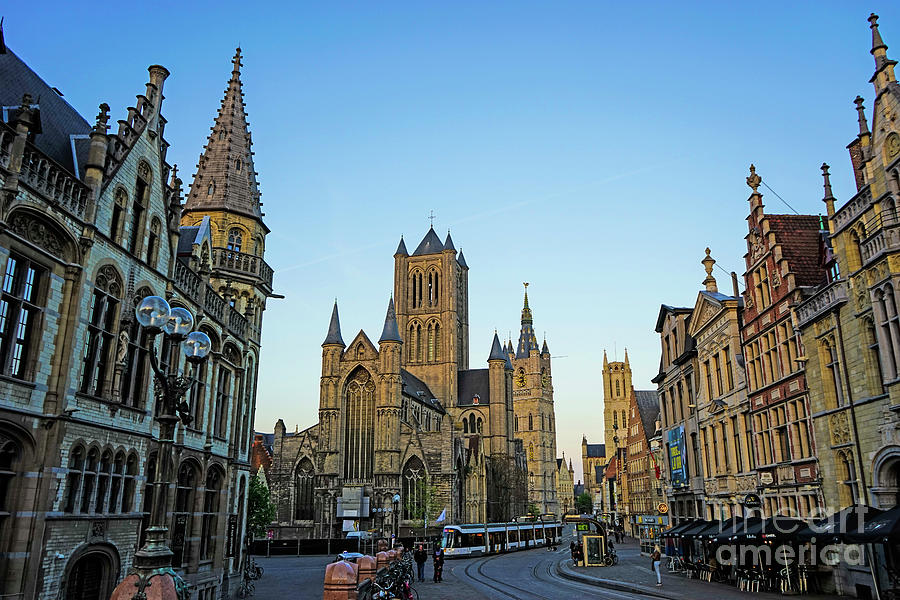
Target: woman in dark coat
pixel 438 564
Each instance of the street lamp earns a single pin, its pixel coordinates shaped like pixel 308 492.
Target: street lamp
pixel 396 500
pixel 156 317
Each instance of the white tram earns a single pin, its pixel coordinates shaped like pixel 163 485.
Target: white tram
pixel 460 541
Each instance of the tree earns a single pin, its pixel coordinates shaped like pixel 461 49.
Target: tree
pixel 584 503
pixel 506 489
pixel 260 509
pixel 424 503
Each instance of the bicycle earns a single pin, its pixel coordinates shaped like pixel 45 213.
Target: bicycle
pixel 253 570
pixel 610 558
pixel 247 589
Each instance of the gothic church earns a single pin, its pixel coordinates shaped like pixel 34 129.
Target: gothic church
pixel 407 416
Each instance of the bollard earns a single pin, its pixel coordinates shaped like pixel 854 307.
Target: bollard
pixel 382 545
pixel 340 581
pixel 366 566
pixel 400 550
pixel 392 556
pixel 381 560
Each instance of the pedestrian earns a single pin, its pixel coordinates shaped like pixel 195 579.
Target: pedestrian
pixel 438 564
pixel 421 557
pixel 654 565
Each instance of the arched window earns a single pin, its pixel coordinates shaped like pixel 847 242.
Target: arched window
pixel 117 220
pixel 221 134
pixel 137 361
pixel 20 309
pixel 615 420
pixel 624 420
pixel 9 458
pixel 848 490
pixel 433 287
pixel 876 376
pixel 419 344
pixel 531 453
pixel 88 480
pixel 184 509
pixel 434 342
pixel 73 479
pixel 618 388
pixel 153 242
pixel 465 425
pixel 359 426
pixel 97 367
pixel 235 239
pixel 223 393
pixel 304 486
pixel 833 389
pixel 479 425
pixel 530 422
pixel 237 164
pixel 104 473
pixel 854 254
pixel 150 479
pixel 139 207
pixel 209 532
pixel 211 188
pixel 414 482
pixel 128 484
pixel 472 423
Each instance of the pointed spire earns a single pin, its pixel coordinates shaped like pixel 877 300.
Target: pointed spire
pixel 861 111
pixel 462 260
pixel 879 48
pixel 626 356
pixel 605 360
pixel 334 329
pixel 527 341
pixel 509 365
pixel 430 244
pixel 526 310
pixel 390 333
pixel 829 197
pixel 496 351
pixel 570 464
pixel 401 248
pixel 710 281
pixel 226 177
pixel 448 243
pixel 545 349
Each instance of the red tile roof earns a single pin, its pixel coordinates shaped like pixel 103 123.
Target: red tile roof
pixel 798 236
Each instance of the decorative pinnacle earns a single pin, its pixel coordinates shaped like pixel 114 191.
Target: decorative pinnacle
pixel 860 109
pixel 710 281
pixel 877 42
pixel 827 177
pixel 27 100
pixel 236 61
pixel 102 119
pixel 754 180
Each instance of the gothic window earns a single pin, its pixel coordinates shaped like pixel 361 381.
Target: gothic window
pixel 833 389
pixel 210 517
pixel 221 134
pixel 137 362
pixel 139 207
pixel 416 284
pixel 185 489
pixel 237 164
pixel 9 456
pixel 80 479
pixel 104 473
pixel 516 421
pixel 359 426
pixel 618 389
pixel 531 453
pixel 479 425
pixel 128 484
pixel 235 239
pixel 115 482
pixel 223 391
pixel 615 420
pixel 251 381
pixel 530 422
pixel 97 357
pixel 20 312
pixel 414 483
pixel 624 422
pixel 197 396
pixel 876 376
pixel 433 287
pixel 304 486
pixel 419 345
pixel 153 242
pixel 890 328
pixel 150 479
pixel 848 490
pixel 434 342
pixel 465 425
pixel 118 216
pixel 472 423
pixel 211 188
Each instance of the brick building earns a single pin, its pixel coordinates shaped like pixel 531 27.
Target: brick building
pixel 90 224
pixel 641 517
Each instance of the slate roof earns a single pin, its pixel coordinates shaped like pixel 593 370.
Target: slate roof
pixel 401 248
pixel 471 383
pixel 596 450
pixel 57 121
pixel 578 488
pixel 190 235
pixel 390 333
pixel 798 236
pixel 648 409
pixel 462 260
pixel 448 243
pixel 430 244
pixel 334 329
pixel 496 350
pixel 415 388
pixel 559 463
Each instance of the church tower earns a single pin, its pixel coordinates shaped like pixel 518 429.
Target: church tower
pixel 616 384
pixel 535 418
pixel 225 191
pixel 431 292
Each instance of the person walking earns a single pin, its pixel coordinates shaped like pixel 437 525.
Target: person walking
pixel 421 557
pixel 654 561
pixel 438 564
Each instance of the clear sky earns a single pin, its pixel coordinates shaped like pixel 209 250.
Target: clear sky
pixel 592 149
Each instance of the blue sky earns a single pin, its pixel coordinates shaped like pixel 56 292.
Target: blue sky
pixel 593 149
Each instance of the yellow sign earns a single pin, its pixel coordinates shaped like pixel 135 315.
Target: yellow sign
pixel 662 508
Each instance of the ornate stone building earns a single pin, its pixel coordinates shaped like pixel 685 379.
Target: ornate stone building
pixel 676 389
pixel 90 223
pixel 409 417
pixel 850 326
pixel 565 485
pixel 723 411
pixel 782 269
pixel 593 464
pixel 642 486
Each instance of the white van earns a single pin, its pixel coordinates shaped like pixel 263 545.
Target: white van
pixel 363 536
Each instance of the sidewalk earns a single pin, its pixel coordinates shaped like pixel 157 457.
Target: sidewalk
pixel 633 574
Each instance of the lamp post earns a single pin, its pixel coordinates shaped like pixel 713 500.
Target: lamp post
pixel 156 317
pixel 396 501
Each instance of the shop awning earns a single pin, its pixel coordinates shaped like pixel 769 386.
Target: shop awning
pixel 839 525
pixel 701 530
pixel 880 528
pixel 676 531
pixel 769 528
pixel 735 526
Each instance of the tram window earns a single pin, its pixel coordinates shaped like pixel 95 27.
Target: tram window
pixel 448 540
pixel 513 535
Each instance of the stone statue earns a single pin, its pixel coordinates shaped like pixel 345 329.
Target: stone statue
pixel 122 347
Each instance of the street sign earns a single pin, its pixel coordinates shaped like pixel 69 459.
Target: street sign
pixel 662 508
pixel 752 501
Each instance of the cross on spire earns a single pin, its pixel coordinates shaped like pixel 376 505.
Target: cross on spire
pixel 431 218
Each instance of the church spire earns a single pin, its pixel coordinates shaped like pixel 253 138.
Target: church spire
pixel 884 67
pixel 225 177
pixel 390 332
pixel 527 341
pixel 334 329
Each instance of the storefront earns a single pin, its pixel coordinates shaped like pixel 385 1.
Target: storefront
pixel 649 529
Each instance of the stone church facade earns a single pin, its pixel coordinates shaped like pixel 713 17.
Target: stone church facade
pixel 407 416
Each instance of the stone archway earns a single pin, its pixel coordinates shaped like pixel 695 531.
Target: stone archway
pixel 92 573
pixel 886 477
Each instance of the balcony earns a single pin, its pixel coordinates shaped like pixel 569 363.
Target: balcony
pixel 832 295
pixel 848 213
pixel 242 263
pixel 885 237
pixel 192 286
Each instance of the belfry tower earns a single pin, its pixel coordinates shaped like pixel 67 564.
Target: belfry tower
pixel 225 192
pixel 616 386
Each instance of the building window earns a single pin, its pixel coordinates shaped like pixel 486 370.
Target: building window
pixel 97 357
pixel 416 289
pixel 718 367
pixel 710 392
pixel 789 347
pixel 118 216
pixel 433 287
pixel 763 297
pixel 235 239
pixel 211 188
pixel 9 456
pixel 434 342
pixel 185 488
pixel 414 489
pixel 359 428
pixel 833 375
pixel 890 329
pixel 304 486
pixel 618 388
pixel 153 242
pixel 137 364
pixel 20 312
pixel 729 373
pixel 139 208
pixel 530 422
pixel 150 479
pixel 736 441
pixel 210 514
pixel 848 490
pixel 876 376
pixel 223 397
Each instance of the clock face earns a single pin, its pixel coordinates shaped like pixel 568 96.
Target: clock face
pixel 893 145
pixel 545 380
pixel 520 380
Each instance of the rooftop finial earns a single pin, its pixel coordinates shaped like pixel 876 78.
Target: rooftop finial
pixel 877 42
pixel 710 281
pixel 102 119
pixel 861 110
pixel 827 176
pixel 236 61
pixel 754 180
pixel 431 220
